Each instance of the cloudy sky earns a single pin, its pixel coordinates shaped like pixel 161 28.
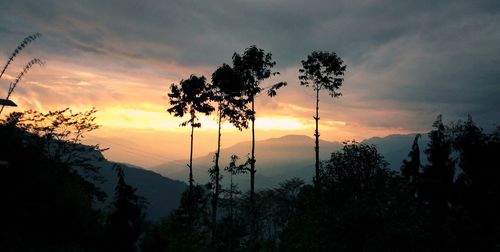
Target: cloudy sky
pixel 407 62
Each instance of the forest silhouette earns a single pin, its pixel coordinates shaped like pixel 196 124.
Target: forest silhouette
pixel 356 203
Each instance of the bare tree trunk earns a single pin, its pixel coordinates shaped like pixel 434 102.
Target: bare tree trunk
pixel 231 214
pixel 317 178
pixel 253 231
pixel 217 186
pixel 252 160
pixel 191 161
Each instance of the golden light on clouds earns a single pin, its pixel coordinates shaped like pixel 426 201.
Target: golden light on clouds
pixel 279 123
pixel 132 106
pixel 152 116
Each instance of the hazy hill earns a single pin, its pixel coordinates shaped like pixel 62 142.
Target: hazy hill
pixel 278 159
pixel 163 194
pixel 284 157
pixel 395 148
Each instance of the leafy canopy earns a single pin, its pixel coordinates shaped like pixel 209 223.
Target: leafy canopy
pixel 227 87
pixel 190 96
pixel 255 66
pixel 322 70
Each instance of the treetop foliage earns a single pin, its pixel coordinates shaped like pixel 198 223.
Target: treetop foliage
pixel 190 96
pixel 60 133
pixel 228 92
pixel 322 70
pixel 254 66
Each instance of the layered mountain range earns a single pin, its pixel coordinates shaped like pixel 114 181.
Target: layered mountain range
pixel 282 158
pixel 278 159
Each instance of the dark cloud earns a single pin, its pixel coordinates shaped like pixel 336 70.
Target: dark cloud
pixel 419 57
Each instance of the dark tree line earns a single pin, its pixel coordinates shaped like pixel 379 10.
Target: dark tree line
pixel 459 186
pixel 357 203
pixel 48 199
pixel 452 203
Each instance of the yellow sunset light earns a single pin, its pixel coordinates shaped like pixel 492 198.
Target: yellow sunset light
pixel 279 123
pixel 150 116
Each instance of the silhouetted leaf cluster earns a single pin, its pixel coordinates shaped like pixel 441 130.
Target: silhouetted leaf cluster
pixel 323 70
pixel 190 96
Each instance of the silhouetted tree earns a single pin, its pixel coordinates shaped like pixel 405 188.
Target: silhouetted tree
pixel 411 168
pixel 322 70
pixel 363 206
pixel 476 196
pixel 232 225
pixel 189 97
pixel 437 181
pixel 276 208
pixel 470 142
pixel 26 41
pixel 215 187
pixel 188 227
pixel 61 133
pixel 126 221
pixel 227 90
pixel 441 168
pixel 253 67
pixel 46 204
pixel 155 238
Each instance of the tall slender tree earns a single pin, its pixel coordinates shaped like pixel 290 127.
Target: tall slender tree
pixel 227 90
pixel 253 67
pixel 190 96
pixel 322 70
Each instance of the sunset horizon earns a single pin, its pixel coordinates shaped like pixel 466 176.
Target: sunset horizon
pixel 249 125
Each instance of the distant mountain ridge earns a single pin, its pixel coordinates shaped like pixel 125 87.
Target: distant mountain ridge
pixel 278 159
pixel 162 194
pixel 285 157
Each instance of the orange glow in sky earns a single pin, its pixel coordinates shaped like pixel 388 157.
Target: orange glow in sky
pixel 133 118
pixel 122 58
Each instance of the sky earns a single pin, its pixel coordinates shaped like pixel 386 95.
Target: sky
pixel 407 62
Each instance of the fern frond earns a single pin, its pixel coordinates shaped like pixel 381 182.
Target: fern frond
pixel 31 63
pixel 26 41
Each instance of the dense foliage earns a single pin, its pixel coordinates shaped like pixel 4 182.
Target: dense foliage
pixel 48 201
pixel 450 203
pixel 362 205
